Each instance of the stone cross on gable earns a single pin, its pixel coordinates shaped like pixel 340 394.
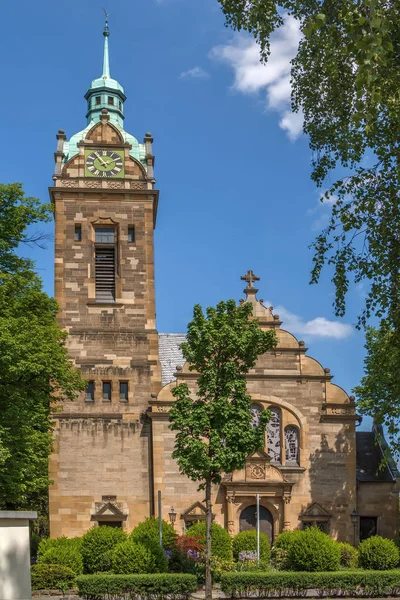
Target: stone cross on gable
pixel 250 278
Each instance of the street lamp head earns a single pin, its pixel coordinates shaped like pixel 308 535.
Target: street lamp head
pixel 172 515
pixel 354 516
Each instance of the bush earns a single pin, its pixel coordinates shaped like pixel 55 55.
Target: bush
pixel 60 542
pixel 283 584
pixel 173 585
pixel 148 531
pixel 130 557
pixel 64 556
pixel 279 551
pixel 285 539
pixel 221 543
pixel 96 544
pixel 313 550
pixel 378 553
pixel 348 556
pixel 51 577
pixel 246 541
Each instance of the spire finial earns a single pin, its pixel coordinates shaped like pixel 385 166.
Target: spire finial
pixel 250 277
pixel 106 60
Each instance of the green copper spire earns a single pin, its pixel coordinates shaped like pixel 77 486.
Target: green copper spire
pixel 105 92
pixel 106 59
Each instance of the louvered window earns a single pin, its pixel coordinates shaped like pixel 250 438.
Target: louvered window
pixel 105 274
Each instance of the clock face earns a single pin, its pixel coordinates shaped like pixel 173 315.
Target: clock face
pixel 104 163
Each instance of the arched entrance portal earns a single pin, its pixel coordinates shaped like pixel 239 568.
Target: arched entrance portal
pixel 248 520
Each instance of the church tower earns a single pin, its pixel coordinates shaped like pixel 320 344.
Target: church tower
pixel 105 208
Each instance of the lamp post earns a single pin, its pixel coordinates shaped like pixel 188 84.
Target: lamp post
pixel 172 516
pixel 354 519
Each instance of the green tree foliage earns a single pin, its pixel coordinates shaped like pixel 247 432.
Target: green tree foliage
pixel 97 546
pixel 213 423
pixel 148 531
pixel 378 553
pixel 66 556
pixel 380 386
pixel 346 81
pixel 35 369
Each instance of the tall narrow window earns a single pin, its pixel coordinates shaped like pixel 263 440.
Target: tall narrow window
pixel 131 234
pixel 98 99
pixel 105 264
pixel 107 391
pixel 78 233
pixel 291 445
pixel 123 391
pixel 274 435
pixel 89 393
pixel 255 410
pixel 110 100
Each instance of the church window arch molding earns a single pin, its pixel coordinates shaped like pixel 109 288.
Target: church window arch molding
pixel 283 433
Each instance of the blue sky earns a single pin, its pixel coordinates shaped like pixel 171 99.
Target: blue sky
pixel 232 169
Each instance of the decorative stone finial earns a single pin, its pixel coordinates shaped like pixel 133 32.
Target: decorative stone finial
pixel 301 343
pixel 250 277
pixel 327 370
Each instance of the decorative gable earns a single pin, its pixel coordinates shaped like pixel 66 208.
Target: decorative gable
pixel 109 511
pixel 197 509
pixel 315 512
pixel 258 467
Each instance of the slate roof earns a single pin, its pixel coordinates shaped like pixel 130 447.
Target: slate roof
pixel 170 354
pixel 369 456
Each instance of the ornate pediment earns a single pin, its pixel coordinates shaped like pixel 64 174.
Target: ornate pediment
pixel 109 511
pixel 259 468
pixel 197 509
pixel 315 511
pixel 259 455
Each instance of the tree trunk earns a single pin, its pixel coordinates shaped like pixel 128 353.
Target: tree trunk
pixel 208 595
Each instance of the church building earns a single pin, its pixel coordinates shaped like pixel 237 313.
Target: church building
pixel 112 448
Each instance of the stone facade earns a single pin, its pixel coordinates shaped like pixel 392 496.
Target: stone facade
pixel 113 450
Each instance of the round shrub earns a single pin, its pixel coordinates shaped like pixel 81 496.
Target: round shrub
pixel 132 557
pixel 148 530
pixel 279 551
pixel 95 545
pixel 285 539
pixel 64 556
pixel 221 543
pixel 60 542
pixel 348 556
pixel 313 550
pixel 378 553
pixel 246 541
pixel 50 577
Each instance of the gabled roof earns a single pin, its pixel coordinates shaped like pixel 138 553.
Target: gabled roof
pixel 369 459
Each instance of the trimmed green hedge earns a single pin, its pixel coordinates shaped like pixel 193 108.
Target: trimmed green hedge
pixel 97 546
pixel 49 577
pixel 294 584
pixel 115 587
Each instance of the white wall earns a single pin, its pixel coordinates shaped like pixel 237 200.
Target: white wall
pixel 15 574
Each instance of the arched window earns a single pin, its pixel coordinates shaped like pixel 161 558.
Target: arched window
pixel 255 410
pixel 274 435
pixel 292 445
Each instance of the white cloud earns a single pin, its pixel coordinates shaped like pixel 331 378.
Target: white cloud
pixel 195 72
pixel 251 76
pixel 324 216
pixel 318 327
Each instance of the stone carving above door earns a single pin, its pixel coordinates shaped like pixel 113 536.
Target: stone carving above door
pixel 258 468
